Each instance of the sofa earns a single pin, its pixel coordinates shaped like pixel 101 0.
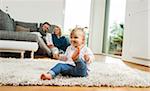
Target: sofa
pixel 20 37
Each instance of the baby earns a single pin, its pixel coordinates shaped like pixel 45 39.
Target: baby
pixel 77 57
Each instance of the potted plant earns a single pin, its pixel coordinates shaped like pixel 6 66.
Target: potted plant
pixel 116 39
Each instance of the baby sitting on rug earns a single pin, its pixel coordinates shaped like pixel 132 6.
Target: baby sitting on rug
pixel 77 57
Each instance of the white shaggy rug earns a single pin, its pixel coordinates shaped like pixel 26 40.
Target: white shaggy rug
pixel 17 72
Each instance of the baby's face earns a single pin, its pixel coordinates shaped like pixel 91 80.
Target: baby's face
pixel 77 38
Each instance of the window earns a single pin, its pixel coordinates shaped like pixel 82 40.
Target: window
pixel 114 26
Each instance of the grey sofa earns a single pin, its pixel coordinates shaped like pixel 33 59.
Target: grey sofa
pixel 18 31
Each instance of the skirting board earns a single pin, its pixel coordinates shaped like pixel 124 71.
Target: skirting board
pixel 142 58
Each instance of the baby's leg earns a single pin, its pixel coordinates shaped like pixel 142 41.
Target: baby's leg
pixel 80 70
pixel 61 68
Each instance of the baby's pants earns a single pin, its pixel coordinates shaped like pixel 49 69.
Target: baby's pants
pixel 80 70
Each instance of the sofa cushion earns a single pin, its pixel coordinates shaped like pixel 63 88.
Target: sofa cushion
pixel 6 22
pixel 19 36
pixel 37 33
pixel 22 29
pixel 51 28
pixel 32 26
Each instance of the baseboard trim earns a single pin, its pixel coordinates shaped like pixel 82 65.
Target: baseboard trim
pixel 127 61
pixel 142 58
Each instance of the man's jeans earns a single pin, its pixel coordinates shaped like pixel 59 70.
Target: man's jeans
pixel 80 70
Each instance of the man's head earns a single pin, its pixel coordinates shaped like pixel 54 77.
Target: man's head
pixel 77 37
pixel 45 26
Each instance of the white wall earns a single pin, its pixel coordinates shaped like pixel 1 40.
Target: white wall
pixel 149 27
pixel 96 26
pixel 35 10
pixel 136 34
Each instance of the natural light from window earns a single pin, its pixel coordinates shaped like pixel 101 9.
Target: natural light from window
pixel 117 12
pixel 113 38
pixel 77 13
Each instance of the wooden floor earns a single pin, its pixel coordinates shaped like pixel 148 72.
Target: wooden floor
pixel 99 58
pixel 108 59
pixel 52 88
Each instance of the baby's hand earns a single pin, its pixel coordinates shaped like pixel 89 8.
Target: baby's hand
pixel 86 57
pixel 76 54
pixel 63 57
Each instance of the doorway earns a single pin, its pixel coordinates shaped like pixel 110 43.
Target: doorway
pixel 114 27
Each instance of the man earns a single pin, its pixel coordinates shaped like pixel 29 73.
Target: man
pixel 44 28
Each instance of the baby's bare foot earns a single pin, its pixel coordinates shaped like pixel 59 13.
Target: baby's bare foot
pixel 46 77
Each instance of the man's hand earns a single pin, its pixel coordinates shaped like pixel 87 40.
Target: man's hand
pixel 50 46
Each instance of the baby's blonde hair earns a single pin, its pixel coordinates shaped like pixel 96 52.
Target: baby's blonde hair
pixel 80 30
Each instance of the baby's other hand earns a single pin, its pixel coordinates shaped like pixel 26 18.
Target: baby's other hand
pixel 63 57
pixel 86 57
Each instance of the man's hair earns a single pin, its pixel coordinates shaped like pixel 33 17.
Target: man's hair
pixel 47 23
